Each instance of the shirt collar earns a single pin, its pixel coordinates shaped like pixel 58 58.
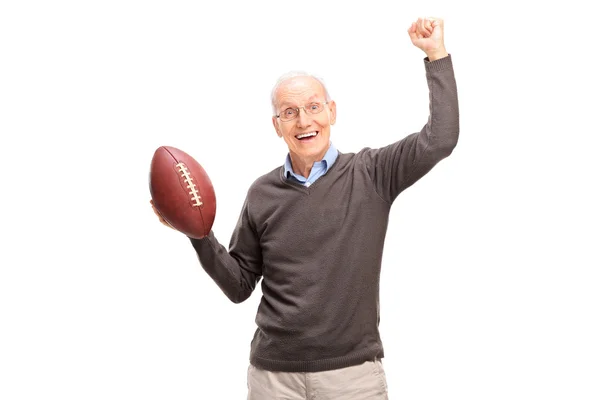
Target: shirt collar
pixel 328 160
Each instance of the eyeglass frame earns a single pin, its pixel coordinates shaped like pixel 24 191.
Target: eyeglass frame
pixel 304 108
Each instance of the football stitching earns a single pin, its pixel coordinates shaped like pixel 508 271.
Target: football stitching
pixel 187 178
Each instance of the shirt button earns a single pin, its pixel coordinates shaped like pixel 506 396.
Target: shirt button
pixel 307 184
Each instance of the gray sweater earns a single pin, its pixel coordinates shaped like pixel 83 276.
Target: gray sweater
pixel 318 249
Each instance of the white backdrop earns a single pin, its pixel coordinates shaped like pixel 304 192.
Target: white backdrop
pixel 491 271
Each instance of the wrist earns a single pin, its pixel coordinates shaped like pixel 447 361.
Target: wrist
pixel 437 54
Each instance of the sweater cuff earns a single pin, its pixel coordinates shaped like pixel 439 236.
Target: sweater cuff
pixel 438 65
pixel 202 242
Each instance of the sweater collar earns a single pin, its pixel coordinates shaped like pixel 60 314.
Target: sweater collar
pixel 327 161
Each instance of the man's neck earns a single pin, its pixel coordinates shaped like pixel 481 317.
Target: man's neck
pixel 303 166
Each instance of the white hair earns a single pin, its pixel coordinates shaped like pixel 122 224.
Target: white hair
pixel 293 74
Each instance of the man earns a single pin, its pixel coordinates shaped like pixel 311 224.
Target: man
pixel 314 230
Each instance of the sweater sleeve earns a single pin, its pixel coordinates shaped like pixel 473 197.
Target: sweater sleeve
pixel 396 167
pixel 238 270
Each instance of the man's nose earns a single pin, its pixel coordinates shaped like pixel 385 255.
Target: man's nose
pixel 303 119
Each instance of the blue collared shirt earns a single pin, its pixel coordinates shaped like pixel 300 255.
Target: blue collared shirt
pixel 319 168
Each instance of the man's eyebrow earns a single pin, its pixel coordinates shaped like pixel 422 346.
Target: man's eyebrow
pixel 311 99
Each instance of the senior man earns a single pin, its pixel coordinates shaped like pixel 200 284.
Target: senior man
pixel 313 229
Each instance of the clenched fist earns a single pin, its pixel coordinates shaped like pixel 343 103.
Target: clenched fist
pixel 428 35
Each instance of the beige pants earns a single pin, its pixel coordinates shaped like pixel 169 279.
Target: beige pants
pixel 361 382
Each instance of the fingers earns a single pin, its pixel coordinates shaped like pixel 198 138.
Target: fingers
pixel 418 30
pixel 423 27
pixel 412 32
pixel 160 218
pixel 436 21
pixel 154 209
pixel 437 26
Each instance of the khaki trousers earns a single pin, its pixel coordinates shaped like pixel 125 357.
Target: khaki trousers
pixel 361 382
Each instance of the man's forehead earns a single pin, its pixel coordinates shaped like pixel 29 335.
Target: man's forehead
pixel 304 86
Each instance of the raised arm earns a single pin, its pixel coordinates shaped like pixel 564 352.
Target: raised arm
pixel 395 167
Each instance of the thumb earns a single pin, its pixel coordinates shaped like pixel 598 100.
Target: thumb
pixel 437 24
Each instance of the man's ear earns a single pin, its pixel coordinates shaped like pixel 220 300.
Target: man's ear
pixel 276 126
pixel 332 112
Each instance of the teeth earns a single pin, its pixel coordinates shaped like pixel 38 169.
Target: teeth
pixel 307 135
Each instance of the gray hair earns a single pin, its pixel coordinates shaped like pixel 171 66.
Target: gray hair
pixel 293 74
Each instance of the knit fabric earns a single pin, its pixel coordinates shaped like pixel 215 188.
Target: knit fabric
pixel 318 249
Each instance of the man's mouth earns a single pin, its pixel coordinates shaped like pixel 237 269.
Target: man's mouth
pixel 307 135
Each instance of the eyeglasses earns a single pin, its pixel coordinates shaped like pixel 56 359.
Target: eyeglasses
pixel 291 113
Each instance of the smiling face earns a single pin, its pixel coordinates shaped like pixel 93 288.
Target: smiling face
pixel 307 135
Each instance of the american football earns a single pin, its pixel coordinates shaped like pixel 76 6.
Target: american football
pixel 182 192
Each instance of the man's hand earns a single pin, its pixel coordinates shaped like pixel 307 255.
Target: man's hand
pixel 160 218
pixel 428 35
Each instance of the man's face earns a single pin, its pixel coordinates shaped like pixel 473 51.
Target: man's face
pixel 300 92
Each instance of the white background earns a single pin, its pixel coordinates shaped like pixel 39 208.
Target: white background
pixel 490 276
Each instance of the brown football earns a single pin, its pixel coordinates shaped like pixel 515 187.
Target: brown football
pixel 182 192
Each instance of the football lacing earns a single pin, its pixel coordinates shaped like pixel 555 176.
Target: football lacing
pixel 187 178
